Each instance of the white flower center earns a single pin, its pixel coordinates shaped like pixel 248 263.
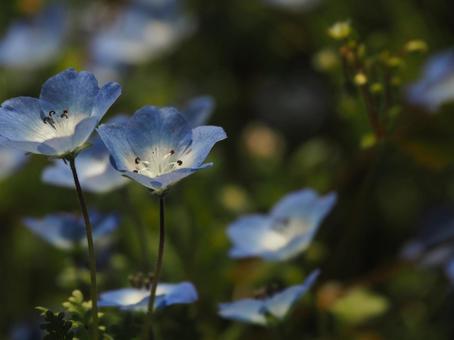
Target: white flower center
pixel 159 162
pixel 62 123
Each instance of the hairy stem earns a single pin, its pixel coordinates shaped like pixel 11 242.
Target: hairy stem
pixel 91 248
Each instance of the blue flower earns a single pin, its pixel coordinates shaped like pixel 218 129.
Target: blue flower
pixel 10 160
pixel 436 86
pixel 198 110
pixel 157 147
pixel 136 299
pixel 95 171
pixel 263 309
pixel 139 33
pixel 70 106
pixel 285 232
pixel 294 5
pixel 65 231
pixel 32 44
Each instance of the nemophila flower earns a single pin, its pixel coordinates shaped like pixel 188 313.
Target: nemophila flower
pixel 141 32
pixel 10 160
pixel 94 168
pixel 66 231
pixel 436 86
pixel 136 299
pixel 268 306
pixel 198 110
pixel 157 147
pixel 70 106
pixel 285 232
pixel 36 42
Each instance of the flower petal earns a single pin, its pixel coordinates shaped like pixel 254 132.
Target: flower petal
pixel 279 304
pixel 246 310
pixel 70 90
pixel 123 298
pixel 49 229
pixel 21 121
pixel 107 95
pixel 305 204
pixel 181 293
pixel 252 236
pixel 162 128
pixel 164 181
pixel 203 140
pixel 114 137
pixel 199 110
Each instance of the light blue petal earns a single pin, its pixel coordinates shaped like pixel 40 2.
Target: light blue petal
pixel 306 204
pixel 246 310
pixel 21 120
pixel 114 137
pixel 181 293
pixel 107 95
pixel 124 298
pixel 203 140
pixel 164 128
pixel 294 247
pixel 11 160
pixel 164 181
pixel 103 225
pixel 252 235
pixel 50 230
pixel 70 90
pixel 279 304
pixel 199 110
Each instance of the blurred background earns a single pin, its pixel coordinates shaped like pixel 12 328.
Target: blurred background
pixel 296 117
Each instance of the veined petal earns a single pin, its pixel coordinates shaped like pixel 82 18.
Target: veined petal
pixel 107 95
pixel 153 132
pixel 203 140
pixel 114 137
pixel 246 310
pixel 21 121
pixel 70 90
pixel 252 235
pixel 279 304
pixel 199 110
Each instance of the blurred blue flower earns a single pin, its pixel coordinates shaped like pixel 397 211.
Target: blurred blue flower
pixel 66 231
pixel 436 86
pixel 10 160
pixel 157 147
pixel 141 32
pixel 34 43
pixel 136 299
pixel 198 110
pixel 274 306
pixel 285 232
pixel 70 106
pixel 295 5
pixel 94 168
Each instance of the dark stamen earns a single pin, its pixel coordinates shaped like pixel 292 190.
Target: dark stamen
pixel 172 152
pixel 137 160
pixel 136 171
pixel 64 114
pixel 179 162
pixel 51 113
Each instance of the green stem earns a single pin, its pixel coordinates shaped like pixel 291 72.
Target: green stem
pixel 157 270
pixel 91 248
pixel 140 228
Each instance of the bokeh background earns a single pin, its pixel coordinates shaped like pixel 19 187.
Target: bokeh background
pixel 293 121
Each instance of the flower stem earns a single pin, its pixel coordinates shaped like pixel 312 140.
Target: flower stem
pixel 157 269
pixel 91 248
